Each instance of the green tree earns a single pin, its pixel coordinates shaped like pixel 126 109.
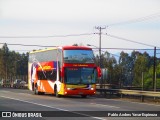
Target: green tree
pixel 1 64
pixel 126 68
pixel 110 62
pixel 5 55
pixel 148 80
pixel 141 65
pixel 12 63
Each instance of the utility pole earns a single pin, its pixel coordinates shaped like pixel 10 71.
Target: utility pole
pixel 154 69
pixel 100 33
pixel 100 59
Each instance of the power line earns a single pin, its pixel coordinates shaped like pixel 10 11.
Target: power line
pixel 155 15
pixel 130 40
pixel 70 35
pixel 92 48
pixel 102 49
pixel 125 49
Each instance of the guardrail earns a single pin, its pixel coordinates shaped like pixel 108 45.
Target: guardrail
pixel 129 92
pixel 138 92
pixel 25 86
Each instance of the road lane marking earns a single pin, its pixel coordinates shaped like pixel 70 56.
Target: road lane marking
pixel 24 94
pixel 14 92
pixel 104 105
pixel 54 108
pixel 5 91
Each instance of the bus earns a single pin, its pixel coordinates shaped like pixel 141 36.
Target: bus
pixel 62 71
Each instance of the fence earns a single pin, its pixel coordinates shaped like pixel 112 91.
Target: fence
pixel 122 92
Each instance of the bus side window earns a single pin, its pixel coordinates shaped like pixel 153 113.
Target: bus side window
pixel 52 75
pixel 60 78
pixel 47 75
pixel 41 75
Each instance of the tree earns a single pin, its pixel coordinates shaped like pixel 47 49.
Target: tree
pixel 12 63
pixel 148 80
pixel 1 64
pixel 110 63
pixel 5 55
pixel 126 68
pixel 141 65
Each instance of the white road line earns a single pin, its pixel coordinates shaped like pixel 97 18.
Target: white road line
pixel 104 105
pixel 5 91
pixel 14 92
pixel 53 107
pixel 24 94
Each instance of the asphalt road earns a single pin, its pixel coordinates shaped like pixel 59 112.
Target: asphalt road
pixel 23 103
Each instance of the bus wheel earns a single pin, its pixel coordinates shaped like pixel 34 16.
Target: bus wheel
pixel 36 92
pixel 42 93
pixel 83 96
pixel 56 92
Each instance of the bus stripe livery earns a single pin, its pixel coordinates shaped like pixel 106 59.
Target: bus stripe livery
pixel 66 70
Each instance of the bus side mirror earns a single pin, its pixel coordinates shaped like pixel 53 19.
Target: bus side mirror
pixel 99 72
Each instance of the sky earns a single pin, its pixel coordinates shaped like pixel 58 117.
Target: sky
pixel 136 20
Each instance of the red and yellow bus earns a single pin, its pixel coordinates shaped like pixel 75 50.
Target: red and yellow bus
pixel 67 70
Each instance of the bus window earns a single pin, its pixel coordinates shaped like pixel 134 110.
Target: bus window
pixel 47 75
pixel 78 56
pixel 80 75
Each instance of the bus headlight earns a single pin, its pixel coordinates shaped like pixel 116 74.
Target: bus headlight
pixel 92 88
pixel 68 88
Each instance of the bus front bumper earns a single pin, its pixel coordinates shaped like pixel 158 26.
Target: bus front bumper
pixel 79 92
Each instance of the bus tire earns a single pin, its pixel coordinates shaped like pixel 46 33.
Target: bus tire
pixel 56 92
pixel 40 93
pixel 83 96
pixel 36 92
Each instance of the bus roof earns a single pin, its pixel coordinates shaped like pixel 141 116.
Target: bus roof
pixel 63 48
pixel 75 47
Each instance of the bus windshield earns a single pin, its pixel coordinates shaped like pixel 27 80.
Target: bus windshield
pixel 78 56
pixel 80 75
